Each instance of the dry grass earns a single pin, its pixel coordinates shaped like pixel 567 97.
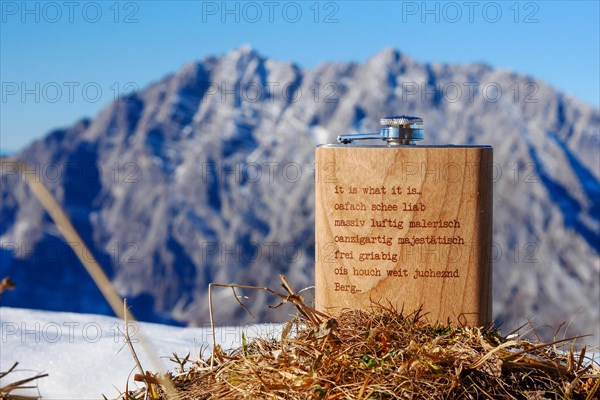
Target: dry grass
pixel 384 354
pixel 6 391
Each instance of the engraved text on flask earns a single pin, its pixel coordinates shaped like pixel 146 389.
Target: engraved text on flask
pixel 404 225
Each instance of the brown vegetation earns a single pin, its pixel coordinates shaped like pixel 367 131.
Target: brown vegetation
pixel 383 353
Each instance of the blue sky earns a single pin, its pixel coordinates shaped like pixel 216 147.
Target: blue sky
pixel 63 60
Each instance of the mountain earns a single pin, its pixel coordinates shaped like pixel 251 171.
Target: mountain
pixel 207 176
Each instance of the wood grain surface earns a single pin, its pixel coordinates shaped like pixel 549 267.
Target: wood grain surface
pixel 406 226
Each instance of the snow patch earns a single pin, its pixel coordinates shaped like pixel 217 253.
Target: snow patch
pixel 85 354
pixel 320 134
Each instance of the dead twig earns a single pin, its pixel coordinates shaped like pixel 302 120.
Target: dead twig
pixel 5 391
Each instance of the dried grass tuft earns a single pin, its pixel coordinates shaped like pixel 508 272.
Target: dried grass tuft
pixel 385 353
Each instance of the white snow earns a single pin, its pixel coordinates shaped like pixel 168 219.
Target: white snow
pixel 85 354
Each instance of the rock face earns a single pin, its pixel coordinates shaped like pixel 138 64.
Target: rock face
pixel 207 176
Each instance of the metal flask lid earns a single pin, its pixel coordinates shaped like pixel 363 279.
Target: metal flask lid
pixel 399 130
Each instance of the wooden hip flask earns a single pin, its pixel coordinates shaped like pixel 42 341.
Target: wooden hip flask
pixel 403 225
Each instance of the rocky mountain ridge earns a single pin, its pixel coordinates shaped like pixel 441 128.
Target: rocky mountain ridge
pixel 207 175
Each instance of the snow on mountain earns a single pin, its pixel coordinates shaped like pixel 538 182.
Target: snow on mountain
pixel 207 176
